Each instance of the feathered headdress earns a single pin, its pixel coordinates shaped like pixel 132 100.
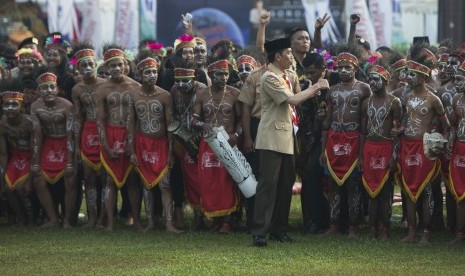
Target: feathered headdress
pixel 326 55
pixel 57 41
pixel 157 48
pixel 184 41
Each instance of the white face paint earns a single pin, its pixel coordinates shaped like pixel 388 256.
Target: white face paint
pixel 115 68
pixel 11 108
pixel 184 85
pixel 346 71
pixel 459 83
pixel 220 78
pixel 150 76
pixel 376 82
pixel 244 71
pixel 48 91
pixel 413 79
pixel 87 67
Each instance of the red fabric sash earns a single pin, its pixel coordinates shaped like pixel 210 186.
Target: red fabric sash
pixel 376 158
pixel 120 167
pixel 152 158
pixel 90 145
pixel 190 173
pixel 445 160
pixel 53 158
pixel 416 169
pixel 342 149
pixel 18 168
pixel 217 189
pixel 457 171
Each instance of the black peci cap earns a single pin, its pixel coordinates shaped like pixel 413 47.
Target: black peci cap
pixel 27 41
pixel 273 46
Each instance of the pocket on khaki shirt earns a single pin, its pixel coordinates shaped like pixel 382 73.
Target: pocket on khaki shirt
pixel 282 125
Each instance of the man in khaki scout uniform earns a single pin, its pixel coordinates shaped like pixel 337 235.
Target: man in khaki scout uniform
pixel 279 94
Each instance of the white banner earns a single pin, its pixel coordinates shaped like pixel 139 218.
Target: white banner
pixel 382 16
pixel 365 27
pixel 148 19
pixel 127 24
pixel 91 29
pixel 62 18
pixel 318 8
pixel 52 16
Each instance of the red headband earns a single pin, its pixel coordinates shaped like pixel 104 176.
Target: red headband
pixel 419 68
pixel 147 63
pixel 347 57
pixel 112 54
pixel 46 78
pixel 218 65
pixel 443 58
pixel 28 53
pixel 182 73
pixel 83 54
pixel 12 95
pixel 381 71
pixel 200 40
pixel 400 64
pixel 245 59
pixel 429 55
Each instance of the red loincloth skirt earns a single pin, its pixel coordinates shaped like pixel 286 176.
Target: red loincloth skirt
pixel 53 158
pixel 217 188
pixel 376 158
pixel 342 150
pixel 120 167
pixel 90 145
pixel 457 171
pixel 416 170
pixel 152 158
pixel 18 168
pixel 190 173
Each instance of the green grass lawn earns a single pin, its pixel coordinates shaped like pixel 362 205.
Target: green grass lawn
pixel 25 251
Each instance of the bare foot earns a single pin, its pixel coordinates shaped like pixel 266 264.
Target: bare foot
pixel 88 225
pixel 148 228
pixel 225 228
pixel 425 238
pixel 129 221
pixel 458 241
pixel 50 224
pixel 373 233
pixel 67 225
pixel 384 235
pixel 331 231
pixel 353 232
pixel 138 226
pixel 171 228
pixel 408 238
pixel 109 226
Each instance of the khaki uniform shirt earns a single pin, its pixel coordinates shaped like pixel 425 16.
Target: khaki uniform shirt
pixel 251 90
pixel 275 131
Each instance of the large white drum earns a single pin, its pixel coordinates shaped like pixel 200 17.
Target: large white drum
pixel 233 160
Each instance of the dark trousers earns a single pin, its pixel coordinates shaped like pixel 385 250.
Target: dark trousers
pixel 274 192
pixel 315 209
pixel 253 159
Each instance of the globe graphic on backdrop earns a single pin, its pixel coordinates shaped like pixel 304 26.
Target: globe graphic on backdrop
pixel 215 25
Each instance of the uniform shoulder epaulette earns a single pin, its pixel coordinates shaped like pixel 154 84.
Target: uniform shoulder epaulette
pixel 274 80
